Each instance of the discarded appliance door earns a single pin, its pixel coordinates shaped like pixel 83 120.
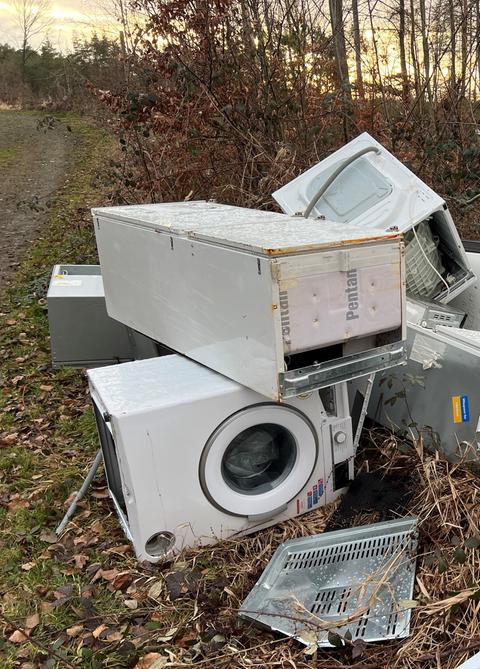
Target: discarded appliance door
pixel 367 186
pixel 469 300
pixel 81 332
pixel 192 457
pixel 437 393
pixel 358 580
pixel 280 304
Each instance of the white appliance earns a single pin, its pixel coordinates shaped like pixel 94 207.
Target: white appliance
pixel 364 185
pixel 192 457
pixel 280 304
pixel 81 332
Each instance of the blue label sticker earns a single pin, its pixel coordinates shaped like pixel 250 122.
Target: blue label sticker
pixel 465 408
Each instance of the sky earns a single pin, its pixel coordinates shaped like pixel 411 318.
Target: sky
pixel 69 19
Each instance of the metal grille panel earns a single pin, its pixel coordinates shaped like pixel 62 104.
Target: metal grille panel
pixel 352 580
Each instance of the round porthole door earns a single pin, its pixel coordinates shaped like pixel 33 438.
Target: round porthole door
pixel 258 459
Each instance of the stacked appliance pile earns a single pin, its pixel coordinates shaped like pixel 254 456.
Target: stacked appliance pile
pixel 268 317
pixel 248 423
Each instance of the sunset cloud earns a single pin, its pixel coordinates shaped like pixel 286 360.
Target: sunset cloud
pixel 70 20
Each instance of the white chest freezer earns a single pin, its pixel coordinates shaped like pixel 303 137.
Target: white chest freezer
pixel 365 185
pixel 279 304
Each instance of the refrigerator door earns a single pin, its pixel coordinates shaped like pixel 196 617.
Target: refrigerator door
pixel 374 191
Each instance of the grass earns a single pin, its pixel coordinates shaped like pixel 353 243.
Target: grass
pixel 7 155
pixel 47 433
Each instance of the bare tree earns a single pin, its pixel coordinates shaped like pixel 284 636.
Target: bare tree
pixel 403 51
pixel 33 18
pixel 338 33
pixel 358 48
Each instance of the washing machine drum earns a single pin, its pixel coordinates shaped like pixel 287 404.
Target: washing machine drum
pixel 258 459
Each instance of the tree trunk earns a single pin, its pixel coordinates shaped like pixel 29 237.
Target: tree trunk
pixel 358 49
pixel 403 57
pixel 413 49
pixel 425 49
pixel 338 32
pixel 453 47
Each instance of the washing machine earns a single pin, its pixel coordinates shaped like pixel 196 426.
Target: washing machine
pixel 192 457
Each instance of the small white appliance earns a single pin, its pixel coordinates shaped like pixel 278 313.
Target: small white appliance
pixel 365 185
pixel 192 457
pixel 82 334
pixel 280 304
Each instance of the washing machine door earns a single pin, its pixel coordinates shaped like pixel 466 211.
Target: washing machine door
pixel 258 460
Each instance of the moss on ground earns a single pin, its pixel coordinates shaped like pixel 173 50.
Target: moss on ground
pixel 7 155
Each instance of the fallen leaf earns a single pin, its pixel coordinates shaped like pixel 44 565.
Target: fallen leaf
pixel 119 550
pixel 48 536
pixel 152 661
pixel 131 603
pixel 155 590
pixel 46 387
pixel 7 439
pixel 74 631
pixel 358 648
pixel 122 579
pixel 170 634
pixel 26 566
pixel 114 636
pixel 81 560
pixel 98 630
pixel 107 574
pixel 32 621
pixel 18 637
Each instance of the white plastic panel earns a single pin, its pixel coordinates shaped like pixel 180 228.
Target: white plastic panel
pixel 376 191
pixel 354 303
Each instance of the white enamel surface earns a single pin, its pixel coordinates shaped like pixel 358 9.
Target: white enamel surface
pixel 376 192
pixel 65 285
pixel 220 305
pixel 163 412
pixel 238 227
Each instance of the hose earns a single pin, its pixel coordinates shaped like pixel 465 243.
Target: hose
pixel 335 174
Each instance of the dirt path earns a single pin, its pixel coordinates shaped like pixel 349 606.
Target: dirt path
pixel 32 167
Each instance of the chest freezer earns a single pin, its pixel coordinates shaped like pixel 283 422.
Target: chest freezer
pixel 81 332
pixel 279 304
pixel 364 185
pixel 436 393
